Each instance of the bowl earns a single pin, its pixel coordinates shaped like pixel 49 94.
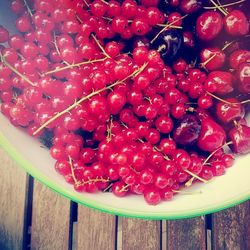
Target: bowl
pixel 220 193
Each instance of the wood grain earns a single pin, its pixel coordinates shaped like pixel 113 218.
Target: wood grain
pixel 95 230
pixel 13 182
pixel 140 234
pixel 188 234
pixel 50 219
pixel 231 228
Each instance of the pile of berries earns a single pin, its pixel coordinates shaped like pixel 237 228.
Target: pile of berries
pixel 133 97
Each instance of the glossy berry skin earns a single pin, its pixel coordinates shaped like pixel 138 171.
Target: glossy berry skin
pixel 243 76
pixel 215 57
pixel 220 82
pixel 140 26
pixel 227 113
pixel 236 23
pixel 212 135
pixel 228 160
pixel 169 44
pixel 119 189
pixel 218 168
pixel 240 136
pixel 209 25
pixel 164 124
pixel 4 34
pixel 187 130
pixel 152 196
pixel 238 57
pixel 190 6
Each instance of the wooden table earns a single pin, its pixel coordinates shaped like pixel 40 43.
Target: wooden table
pixel 34 217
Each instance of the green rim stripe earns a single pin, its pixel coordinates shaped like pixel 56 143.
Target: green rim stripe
pixel 29 168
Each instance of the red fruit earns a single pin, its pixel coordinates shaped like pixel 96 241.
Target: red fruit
pixel 188 39
pixel 206 173
pixel 140 26
pixel 167 194
pixel 161 181
pixel 4 35
pixel 146 176
pixel 220 82
pixel 149 3
pixel 228 160
pixel 152 196
pixel 129 9
pixel 240 137
pixel 138 161
pixel 167 146
pixel 212 135
pixel 218 168
pixel 98 8
pixel 115 102
pixel 164 124
pixel 209 25
pixel 227 113
pixel 119 189
pixel 243 76
pixel 187 130
pixel 190 6
pixel 236 23
pixel 63 167
pixel 238 57
pixel 214 57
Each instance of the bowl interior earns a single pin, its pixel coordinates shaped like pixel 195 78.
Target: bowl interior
pixel 220 193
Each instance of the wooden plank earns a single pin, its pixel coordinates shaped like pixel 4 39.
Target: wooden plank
pixel 188 234
pixel 231 228
pixel 50 219
pixel 13 182
pixel 95 230
pixel 140 234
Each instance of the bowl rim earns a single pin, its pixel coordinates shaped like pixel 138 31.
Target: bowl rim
pixel 74 196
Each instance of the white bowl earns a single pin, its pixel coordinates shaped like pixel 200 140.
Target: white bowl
pixel 222 192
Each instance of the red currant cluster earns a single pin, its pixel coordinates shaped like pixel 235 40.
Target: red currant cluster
pixel 127 107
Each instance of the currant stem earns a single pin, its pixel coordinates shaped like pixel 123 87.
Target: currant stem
pixel 170 26
pixel 218 6
pixel 107 3
pixel 108 187
pixel 195 176
pixel 88 97
pixel 28 8
pixel 203 65
pixel 189 182
pixel 79 19
pixel 55 43
pixel 72 170
pixel 224 5
pixel 95 180
pixel 228 45
pixel 166 27
pixel 124 188
pixel 215 151
pixel 227 102
pixel 109 129
pixel 87 4
pixel 100 46
pixel 13 69
pixel 75 65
